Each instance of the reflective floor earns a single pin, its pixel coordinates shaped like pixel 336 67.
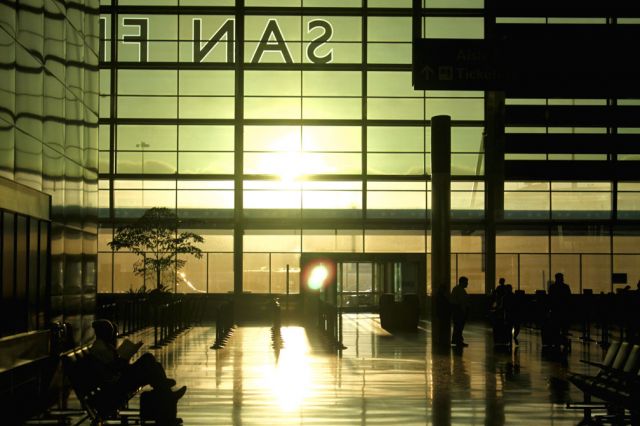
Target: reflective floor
pixel 378 379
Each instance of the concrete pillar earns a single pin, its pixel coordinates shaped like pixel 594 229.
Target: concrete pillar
pixel 440 230
pixel 494 182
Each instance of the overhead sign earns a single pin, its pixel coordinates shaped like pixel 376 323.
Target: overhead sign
pixel 455 65
pixel 538 60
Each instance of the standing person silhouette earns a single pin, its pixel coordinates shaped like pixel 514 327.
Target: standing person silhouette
pixel 560 305
pixel 498 292
pixel 496 308
pixel 510 315
pixel 459 308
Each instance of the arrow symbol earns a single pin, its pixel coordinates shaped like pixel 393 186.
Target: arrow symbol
pixel 428 72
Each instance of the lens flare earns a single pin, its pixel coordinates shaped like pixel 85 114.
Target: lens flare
pixel 318 276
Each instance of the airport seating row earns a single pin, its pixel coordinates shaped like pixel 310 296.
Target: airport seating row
pixel 616 385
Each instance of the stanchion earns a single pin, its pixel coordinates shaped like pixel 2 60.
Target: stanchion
pixel 156 342
pixel 224 324
pixel 276 335
pixel 586 319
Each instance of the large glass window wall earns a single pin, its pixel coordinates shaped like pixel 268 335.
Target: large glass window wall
pixel 231 115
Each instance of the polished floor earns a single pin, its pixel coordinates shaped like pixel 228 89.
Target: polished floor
pixel 379 378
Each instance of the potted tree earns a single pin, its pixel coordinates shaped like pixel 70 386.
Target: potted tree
pixel 154 237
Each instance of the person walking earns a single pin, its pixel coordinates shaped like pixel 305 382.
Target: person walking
pixel 459 308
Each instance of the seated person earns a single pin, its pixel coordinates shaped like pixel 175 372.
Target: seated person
pixel 122 376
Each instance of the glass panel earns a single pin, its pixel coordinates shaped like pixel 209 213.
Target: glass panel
pixel 272 83
pixel 628 205
pixel 192 278
pixel 331 108
pixel 458 109
pixel 626 242
pixel 205 163
pixel 626 264
pixel 534 272
pixel 472 266
pixel 147 82
pixel 331 83
pixel 507 266
pixel 450 27
pixel 389 29
pixel 596 273
pixel 331 138
pixel 206 138
pixel 318 241
pixel 522 242
pixel 379 241
pixel 395 164
pixel 270 241
pixel 279 264
pixel 395 109
pixel 395 139
pixel 256 277
pixel 349 277
pixel 220 273
pixel 391 84
pixel 207 83
pixel 146 162
pixel 567 243
pixel 466 243
pixel 200 107
pixel 569 265
pixel 123 276
pixel 105 273
pixel 147 138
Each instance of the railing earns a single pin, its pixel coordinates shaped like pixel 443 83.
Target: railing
pixel 130 314
pixel 225 323
pixel 330 324
pixel 169 320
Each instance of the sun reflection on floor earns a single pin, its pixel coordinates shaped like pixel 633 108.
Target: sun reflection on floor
pixel 290 378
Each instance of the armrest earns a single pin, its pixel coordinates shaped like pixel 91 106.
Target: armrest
pixel 593 363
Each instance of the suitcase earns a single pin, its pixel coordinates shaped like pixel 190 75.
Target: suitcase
pixel 550 334
pixel 159 406
pixel 501 334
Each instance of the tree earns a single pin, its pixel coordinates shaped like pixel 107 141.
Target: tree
pixel 155 238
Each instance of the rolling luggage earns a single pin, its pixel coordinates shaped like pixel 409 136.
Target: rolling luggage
pixel 161 407
pixel 501 333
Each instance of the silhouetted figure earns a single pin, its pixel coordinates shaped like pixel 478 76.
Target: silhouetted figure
pixel 497 315
pixel 508 306
pixel 560 306
pixel 459 308
pixel 122 377
pixel 497 294
pixel 517 313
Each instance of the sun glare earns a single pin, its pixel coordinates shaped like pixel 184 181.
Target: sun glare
pixel 290 166
pixel 291 379
pixel 318 276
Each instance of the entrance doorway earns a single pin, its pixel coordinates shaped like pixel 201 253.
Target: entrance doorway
pixel 360 279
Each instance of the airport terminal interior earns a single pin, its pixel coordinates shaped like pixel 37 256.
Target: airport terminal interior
pixel 277 198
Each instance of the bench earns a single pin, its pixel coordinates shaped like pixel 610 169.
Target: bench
pixel 98 400
pixel 616 384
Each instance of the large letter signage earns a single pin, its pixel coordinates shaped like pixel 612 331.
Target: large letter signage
pixel 327 33
pixel 226 30
pixel 205 41
pixel 266 45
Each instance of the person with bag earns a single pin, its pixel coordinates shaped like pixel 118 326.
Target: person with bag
pixel 121 376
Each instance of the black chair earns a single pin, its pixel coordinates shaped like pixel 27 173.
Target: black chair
pixel 99 402
pixel 614 383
